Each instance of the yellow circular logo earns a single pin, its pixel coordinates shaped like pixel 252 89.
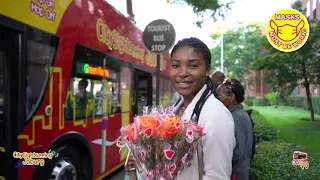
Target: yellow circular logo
pixel 287 30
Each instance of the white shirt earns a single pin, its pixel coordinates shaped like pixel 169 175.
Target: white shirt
pixel 214 156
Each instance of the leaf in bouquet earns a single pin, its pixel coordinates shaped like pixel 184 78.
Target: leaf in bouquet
pixel 145 161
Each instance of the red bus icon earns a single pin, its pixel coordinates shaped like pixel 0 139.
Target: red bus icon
pixel 300 155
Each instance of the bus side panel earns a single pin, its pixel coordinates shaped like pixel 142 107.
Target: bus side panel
pixel 79 25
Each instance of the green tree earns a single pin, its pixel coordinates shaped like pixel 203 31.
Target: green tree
pixel 286 69
pixel 217 7
pixel 273 98
pixel 241 45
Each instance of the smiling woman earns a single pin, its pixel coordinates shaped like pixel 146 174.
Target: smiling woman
pixel 190 65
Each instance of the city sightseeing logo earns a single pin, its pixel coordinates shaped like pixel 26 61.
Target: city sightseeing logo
pixel 287 30
pixel 33 158
pixel 300 159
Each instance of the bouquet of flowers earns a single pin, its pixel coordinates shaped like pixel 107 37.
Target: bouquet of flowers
pixel 161 143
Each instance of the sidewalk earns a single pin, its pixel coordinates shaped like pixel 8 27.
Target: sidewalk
pixel 117 176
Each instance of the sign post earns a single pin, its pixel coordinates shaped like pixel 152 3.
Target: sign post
pixel 158 37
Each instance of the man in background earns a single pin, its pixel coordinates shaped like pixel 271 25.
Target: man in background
pixel 217 77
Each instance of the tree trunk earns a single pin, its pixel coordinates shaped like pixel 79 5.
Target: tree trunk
pixel 310 106
pixel 307 84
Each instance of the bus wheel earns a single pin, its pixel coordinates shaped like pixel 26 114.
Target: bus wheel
pixel 65 165
pixel 64 169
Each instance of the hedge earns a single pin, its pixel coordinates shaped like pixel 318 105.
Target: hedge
pixel 273 161
pixel 262 128
pixel 294 101
pixel 249 100
pixel 301 102
pixel 273 158
pixel 252 101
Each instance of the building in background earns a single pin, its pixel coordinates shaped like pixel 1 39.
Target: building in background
pixel 312 12
pixel 258 88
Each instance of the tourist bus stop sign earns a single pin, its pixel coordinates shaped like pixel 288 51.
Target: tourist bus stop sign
pixel 159 36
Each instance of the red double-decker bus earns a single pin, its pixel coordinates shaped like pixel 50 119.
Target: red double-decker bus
pixel 72 73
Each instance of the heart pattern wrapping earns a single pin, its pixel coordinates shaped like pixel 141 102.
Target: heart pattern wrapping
pixel 162 145
pixel 169 154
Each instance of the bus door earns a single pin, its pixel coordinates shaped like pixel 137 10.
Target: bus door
pixel 11 108
pixel 142 90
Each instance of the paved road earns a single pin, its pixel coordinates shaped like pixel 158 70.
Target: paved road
pixel 118 175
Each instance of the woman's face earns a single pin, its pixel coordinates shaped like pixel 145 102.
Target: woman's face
pixel 188 71
pixel 225 95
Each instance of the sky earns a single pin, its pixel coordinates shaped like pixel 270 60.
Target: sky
pixel 183 18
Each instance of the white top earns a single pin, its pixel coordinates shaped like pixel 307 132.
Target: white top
pixel 214 157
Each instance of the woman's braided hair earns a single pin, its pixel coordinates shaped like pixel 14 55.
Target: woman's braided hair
pixel 202 48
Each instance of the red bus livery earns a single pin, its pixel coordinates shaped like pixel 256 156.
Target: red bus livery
pixel 72 73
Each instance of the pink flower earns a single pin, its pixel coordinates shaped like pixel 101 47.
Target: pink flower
pixel 198 129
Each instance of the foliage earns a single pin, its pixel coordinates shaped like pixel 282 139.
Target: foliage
pixel 261 102
pixel 262 128
pixel 284 70
pixel 301 102
pixel 273 161
pixel 273 98
pixel 217 8
pixel 241 45
pixel 273 157
pixel 290 126
pixel 249 100
pixel 165 100
pixel 245 106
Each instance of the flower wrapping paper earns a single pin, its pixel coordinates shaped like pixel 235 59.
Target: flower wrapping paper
pixel 161 143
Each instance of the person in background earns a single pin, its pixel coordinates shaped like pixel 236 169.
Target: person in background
pixel 218 77
pixel 82 98
pixel 231 94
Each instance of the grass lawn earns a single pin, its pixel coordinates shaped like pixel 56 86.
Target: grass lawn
pixel 292 129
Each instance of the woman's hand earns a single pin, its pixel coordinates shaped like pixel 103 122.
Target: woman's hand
pixel 130 168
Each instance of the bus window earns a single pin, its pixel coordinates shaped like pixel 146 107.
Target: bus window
pixel 86 89
pixel 41 51
pixel 126 77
